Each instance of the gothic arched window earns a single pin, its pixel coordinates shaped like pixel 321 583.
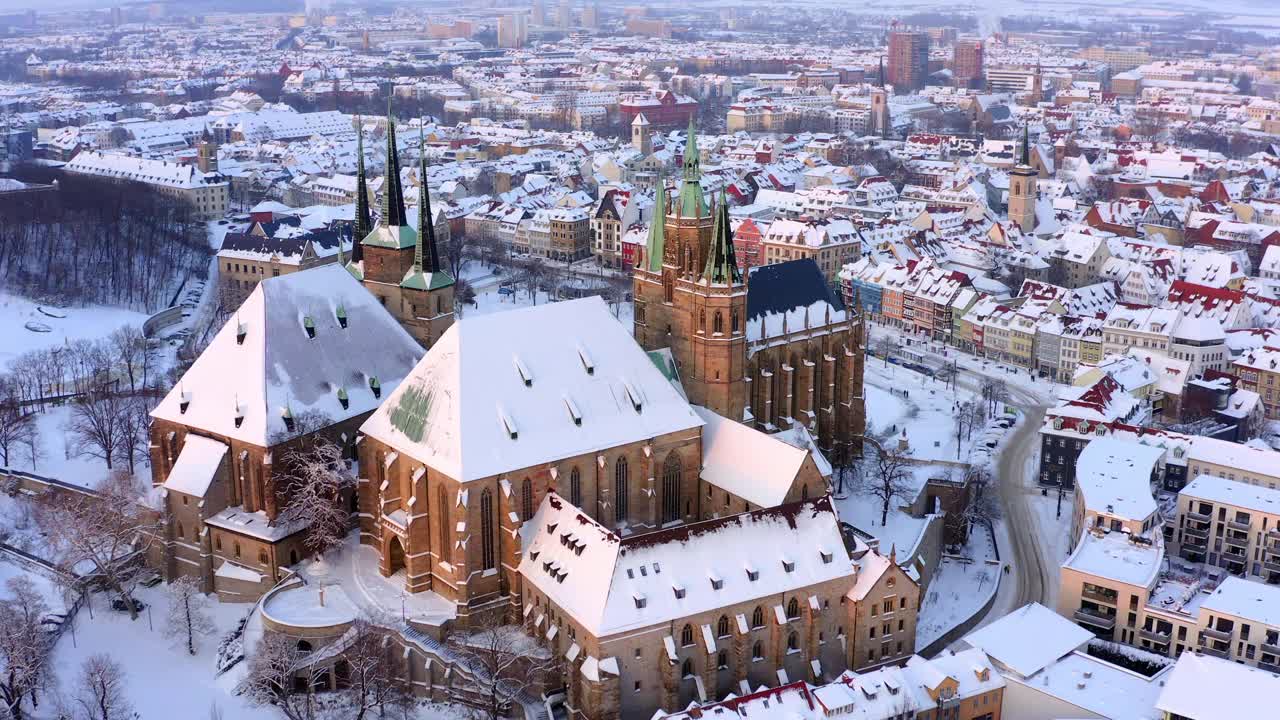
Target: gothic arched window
pixel 686 635
pixel 575 486
pixel 442 523
pixel 488 562
pixel 718 323
pixel 526 499
pixel 671 488
pixel 722 626
pixel 620 482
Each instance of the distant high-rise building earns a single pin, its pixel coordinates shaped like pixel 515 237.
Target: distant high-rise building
pixel 966 66
pixel 538 13
pixel 513 30
pixel 564 15
pixel 591 15
pixel 908 59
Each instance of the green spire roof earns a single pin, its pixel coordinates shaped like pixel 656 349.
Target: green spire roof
pixel 691 202
pixel 426 273
pixel 657 233
pixel 722 262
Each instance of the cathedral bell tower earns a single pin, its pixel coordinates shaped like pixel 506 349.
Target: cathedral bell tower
pixel 1022 188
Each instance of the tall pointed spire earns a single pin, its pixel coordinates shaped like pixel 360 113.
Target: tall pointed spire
pixel 655 248
pixel 722 262
pixel 691 204
pixel 364 219
pixel 1025 157
pixel 392 195
pixel 880 75
pixel 692 163
pixel 426 219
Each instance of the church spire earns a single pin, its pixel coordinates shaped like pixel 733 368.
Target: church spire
pixel 691 203
pixel 880 75
pixel 655 247
pixel 1025 157
pixel 392 195
pixel 722 262
pixel 426 224
pixel 364 220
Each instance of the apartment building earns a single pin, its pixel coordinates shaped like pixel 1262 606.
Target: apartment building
pixel 1259 370
pixel 207 193
pixel 1228 524
pixel 1135 326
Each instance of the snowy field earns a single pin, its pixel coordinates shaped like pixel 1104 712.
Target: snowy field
pixel 926 413
pixel 58 458
pixel 18 314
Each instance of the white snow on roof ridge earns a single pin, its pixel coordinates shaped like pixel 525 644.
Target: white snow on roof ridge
pixel 490 396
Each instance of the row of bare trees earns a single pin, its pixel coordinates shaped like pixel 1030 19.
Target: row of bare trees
pixel 102 242
pixel 109 383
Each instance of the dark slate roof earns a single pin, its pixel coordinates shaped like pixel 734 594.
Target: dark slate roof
pixel 786 286
pixel 250 243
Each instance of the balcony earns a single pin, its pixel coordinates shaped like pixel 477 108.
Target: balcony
pixel 1207 634
pixel 1198 517
pixel 1271 566
pixel 1236 541
pixel 1096 596
pixel 1201 534
pixel 1237 525
pixel 1095 619
pixel 1267 646
pixel 1215 653
pixel 1269 667
pixel 1274 534
pixel 1159 638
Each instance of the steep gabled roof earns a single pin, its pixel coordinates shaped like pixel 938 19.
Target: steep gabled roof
pixel 264 363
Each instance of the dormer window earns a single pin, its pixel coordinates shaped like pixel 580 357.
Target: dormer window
pixel 788 565
pixel 241 332
pixel 343 400
pixel 753 575
pixel 679 592
pixel 310 326
pixel 375 386
pixel 342 317
pixel 287 416
pixel 826 557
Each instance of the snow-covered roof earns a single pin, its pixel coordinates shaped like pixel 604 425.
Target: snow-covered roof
pixel 746 462
pixel 1006 639
pixel 1233 492
pixel 1117 556
pixel 610 584
pixel 502 392
pixel 196 465
pixel 1114 477
pixel 1202 687
pixel 263 366
pixel 1255 601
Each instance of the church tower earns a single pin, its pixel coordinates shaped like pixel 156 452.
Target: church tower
pixel 880 121
pixel 427 289
pixel 641 139
pixel 364 218
pixel 1022 188
pixel 399 265
pixel 690 296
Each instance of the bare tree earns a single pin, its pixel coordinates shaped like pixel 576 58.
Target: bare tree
pixel 314 479
pixel 885 345
pixel 983 507
pixel 188 612
pixel 17 424
pixel 372 686
pixel 130 350
pixel 994 392
pixel 24 647
pixel 100 693
pixel 107 529
pixel 133 424
pixel 963 423
pixel 887 477
pixel 96 424
pixel 501 663
pixel 279 675
pixel 457 251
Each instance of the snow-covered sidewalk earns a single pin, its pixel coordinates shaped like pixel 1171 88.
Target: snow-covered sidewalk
pixel 960 589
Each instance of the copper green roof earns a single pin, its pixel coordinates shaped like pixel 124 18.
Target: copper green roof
pixel 657 232
pixel 691 202
pixel 426 273
pixel 396 237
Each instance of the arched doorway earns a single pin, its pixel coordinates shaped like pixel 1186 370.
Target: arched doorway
pixel 395 555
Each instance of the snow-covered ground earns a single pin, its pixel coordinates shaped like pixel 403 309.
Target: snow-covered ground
pixel 163 681
pixel 59 459
pixel 925 413
pixel 43 580
pixel 55 326
pixel 960 587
